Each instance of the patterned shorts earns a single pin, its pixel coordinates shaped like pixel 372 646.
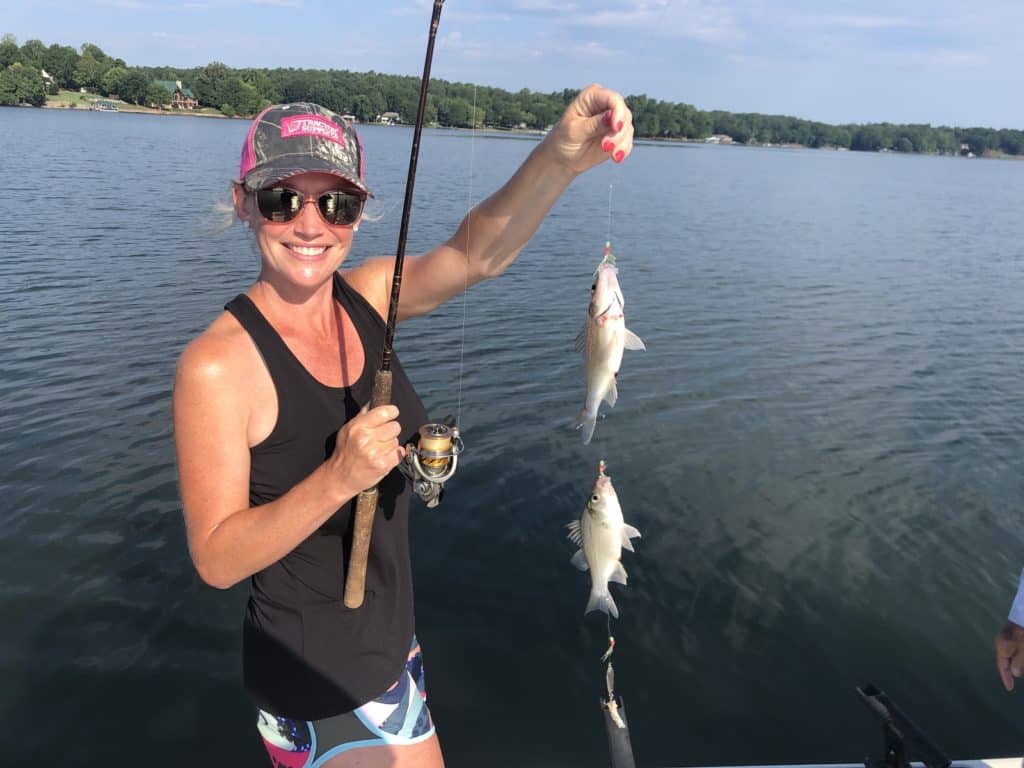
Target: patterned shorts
pixel 398 716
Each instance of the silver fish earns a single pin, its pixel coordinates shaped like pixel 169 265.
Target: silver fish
pixel 600 534
pixel 602 341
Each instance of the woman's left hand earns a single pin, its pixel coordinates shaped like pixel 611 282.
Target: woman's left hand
pixel 596 126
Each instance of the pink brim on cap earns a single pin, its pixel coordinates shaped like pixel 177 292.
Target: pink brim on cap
pixel 248 156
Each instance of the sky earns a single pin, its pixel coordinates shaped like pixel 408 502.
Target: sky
pixel 939 62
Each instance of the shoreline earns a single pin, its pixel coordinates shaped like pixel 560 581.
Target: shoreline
pixel 523 133
pixel 135 109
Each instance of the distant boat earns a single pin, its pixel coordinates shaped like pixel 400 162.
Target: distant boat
pixel 102 105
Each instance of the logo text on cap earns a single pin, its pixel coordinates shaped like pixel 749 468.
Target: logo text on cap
pixel 311 125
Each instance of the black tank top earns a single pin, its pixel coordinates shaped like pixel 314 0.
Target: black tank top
pixel 305 655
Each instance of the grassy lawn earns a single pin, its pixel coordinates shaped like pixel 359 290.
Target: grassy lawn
pixel 78 100
pixel 84 101
pixel 74 97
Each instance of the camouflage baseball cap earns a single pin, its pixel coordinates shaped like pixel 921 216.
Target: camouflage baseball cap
pixel 287 139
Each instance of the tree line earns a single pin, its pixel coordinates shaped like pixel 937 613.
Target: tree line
pixel 367 95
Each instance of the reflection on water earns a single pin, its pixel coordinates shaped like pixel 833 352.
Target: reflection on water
pixel 821 445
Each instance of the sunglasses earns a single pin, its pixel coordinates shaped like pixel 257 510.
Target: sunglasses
pixel 282 204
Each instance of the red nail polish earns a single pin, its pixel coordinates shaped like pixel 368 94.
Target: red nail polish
pixel 607 144
pixel 618 126
pixel 618 156
pixel 608 118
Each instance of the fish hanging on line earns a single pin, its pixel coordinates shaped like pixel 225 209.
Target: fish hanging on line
pixel 602 341
pixel 600 534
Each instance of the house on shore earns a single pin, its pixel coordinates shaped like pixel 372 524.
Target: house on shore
pixel 178 97
pixel 389 118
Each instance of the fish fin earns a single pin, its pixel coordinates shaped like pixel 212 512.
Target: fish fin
pixel 575 532
pixel 580 560
pixel 618 575
pixel 602 601
pixel 629 532
pixel 633 341
pixel 587 423
pixel 612 394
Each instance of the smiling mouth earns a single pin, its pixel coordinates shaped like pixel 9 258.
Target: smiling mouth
pixel 306 250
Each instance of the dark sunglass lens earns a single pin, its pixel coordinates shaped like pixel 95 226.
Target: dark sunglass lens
pixel 341 207
pixel 278 204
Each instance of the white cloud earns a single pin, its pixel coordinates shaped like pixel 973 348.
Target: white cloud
pixel 130 5
pixel 850 22
pixel 594 49
pixel 937 58
pixel 708 22
pixel 546 5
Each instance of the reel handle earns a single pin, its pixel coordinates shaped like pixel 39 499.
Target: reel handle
pixel 366 506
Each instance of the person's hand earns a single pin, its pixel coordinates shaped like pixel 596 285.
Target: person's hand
pixel 367 448
pixel 1010 653
pixel 596 126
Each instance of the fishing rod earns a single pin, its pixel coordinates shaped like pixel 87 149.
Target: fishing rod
pixel 435 458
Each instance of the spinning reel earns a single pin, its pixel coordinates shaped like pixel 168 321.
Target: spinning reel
pixel 432 462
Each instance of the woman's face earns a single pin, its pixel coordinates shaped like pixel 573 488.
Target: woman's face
pixel 306 250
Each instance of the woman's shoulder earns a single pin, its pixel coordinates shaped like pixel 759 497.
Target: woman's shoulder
pixel 372 280
pixel 217 356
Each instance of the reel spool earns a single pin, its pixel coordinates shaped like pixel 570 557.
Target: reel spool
pixel 432 462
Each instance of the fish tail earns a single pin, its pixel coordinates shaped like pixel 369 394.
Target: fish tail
pixel 586 421
pixel 602 601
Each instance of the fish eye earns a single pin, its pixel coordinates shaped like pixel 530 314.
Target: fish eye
pixel 594 497
pixel 593 286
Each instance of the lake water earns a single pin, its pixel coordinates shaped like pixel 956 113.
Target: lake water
pixel 822 446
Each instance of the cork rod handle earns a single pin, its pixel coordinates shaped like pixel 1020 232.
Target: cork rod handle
pixel 366 507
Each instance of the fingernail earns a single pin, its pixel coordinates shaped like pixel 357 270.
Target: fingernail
pixel 607 144
pixel 608 118
pixel 617 157
pixel 618 126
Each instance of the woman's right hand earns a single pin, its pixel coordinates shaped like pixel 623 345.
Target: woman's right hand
pixel 367 449
pixel 1009 656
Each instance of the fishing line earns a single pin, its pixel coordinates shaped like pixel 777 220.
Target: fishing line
pixel 469 227
pixel 609 238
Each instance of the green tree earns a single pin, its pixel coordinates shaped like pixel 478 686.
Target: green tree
pixel 111 80
pixel 1011 142
pixel 362 109
pixel 455 113
pixel 31 54
pixel 869 138
pixel 60 61
pixel 247 99
pixel 22 85
pixel 8 50
pixel 133 86
pixel 89 49
pixel 545 110
pixel 980 140
pixel 156 96
pixel 212 83
pixel 946 142
pixel 89 72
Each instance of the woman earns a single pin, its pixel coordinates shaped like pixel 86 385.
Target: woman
pixel 274 439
